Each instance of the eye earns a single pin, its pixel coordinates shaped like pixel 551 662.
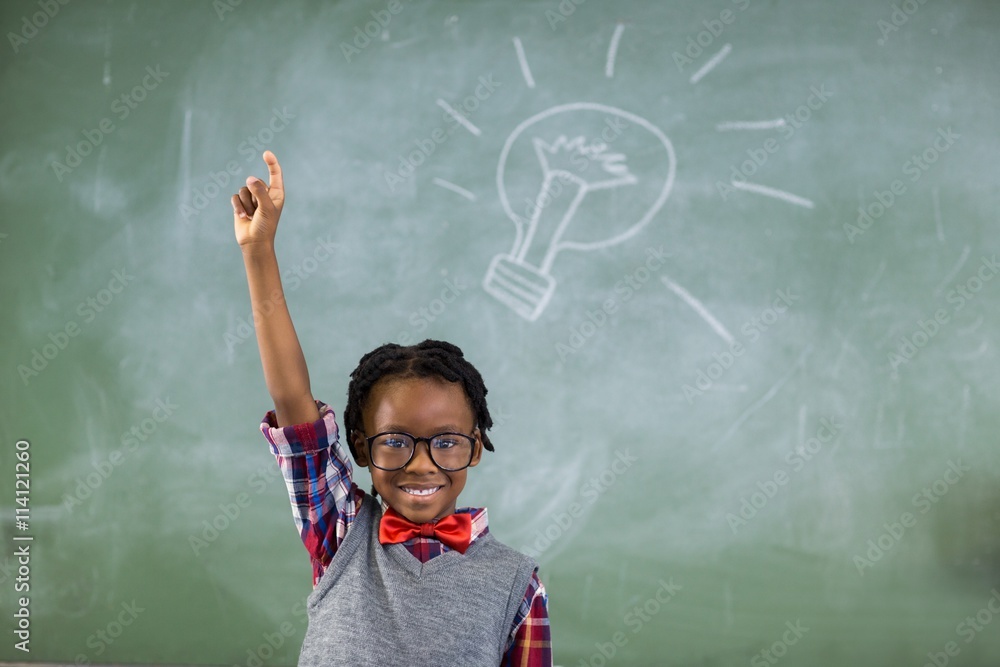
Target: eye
pixel 393 442
pixel 446 442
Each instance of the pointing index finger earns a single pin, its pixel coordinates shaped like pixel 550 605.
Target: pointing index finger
pixel 274 172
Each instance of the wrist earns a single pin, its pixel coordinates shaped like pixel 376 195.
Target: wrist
pixel 258 251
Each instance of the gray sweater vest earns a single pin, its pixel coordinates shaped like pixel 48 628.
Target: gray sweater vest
pixel 378 605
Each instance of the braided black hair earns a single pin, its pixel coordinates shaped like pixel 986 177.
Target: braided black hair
pixel 429 359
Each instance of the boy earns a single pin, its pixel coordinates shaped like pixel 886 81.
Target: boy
pixel 413 580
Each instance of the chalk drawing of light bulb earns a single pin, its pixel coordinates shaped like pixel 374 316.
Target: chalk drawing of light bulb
pixel 554 161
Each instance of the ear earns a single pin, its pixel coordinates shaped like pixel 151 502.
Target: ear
pixel 360 448
pixel 477 454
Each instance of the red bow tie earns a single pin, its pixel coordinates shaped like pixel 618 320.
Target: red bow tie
pixel 454 531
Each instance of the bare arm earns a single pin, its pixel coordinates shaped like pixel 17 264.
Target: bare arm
pixel 256 210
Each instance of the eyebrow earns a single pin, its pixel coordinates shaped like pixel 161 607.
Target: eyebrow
pixel 444 428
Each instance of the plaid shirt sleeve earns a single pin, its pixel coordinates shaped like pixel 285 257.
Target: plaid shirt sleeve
pixel 530 644
pixel 318 477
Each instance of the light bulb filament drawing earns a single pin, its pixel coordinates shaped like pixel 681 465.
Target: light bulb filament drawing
pixel 570 169
pixel 552 213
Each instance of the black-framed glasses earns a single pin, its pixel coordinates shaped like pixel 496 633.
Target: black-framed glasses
pixel 449 451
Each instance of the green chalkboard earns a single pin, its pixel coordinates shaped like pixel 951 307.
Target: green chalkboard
pixel 728 268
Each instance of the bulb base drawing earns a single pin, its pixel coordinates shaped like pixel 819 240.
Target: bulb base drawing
pixel 521 287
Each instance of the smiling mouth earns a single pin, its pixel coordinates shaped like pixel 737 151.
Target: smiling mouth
pixel 413 491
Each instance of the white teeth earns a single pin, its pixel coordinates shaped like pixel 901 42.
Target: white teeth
pixel 421 492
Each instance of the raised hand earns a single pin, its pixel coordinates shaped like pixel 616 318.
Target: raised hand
pixel 256 208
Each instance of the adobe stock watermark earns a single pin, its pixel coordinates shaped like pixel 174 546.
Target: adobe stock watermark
pixel 291 280
pixel 500 417
pixel 924 500
pixel 7 569
pixel 212 528
pixel 122 107
pixel 102 638
pixel 30 25
pixel 421 318
pixel 636 619
pixel 272 641
pixel 914 168
pixel 130 441
pixel 958 297
pixel 751 330
pixel 59 340
pixel 968 629
pixel 250 148
pixel 767 489
pixel 453 118
pixel 787 125
pixel 564 10
pixel 696 44
pixel 779 648
pixel 624 290
pixel 586 496
pixel 900 16
pixel 223 7
pixel 381 18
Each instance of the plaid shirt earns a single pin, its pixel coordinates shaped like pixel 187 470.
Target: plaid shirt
pixel 325 501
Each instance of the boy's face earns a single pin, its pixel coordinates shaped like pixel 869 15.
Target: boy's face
pixel 422 407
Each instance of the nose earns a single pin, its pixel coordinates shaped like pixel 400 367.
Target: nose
pixel 421 462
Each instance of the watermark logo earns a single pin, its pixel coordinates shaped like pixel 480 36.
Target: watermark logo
pixel 589 492
pixel 292 279
pixel 927 329
pixel 102 638
pixel 31 25
pixel 751 330
pixel 229 513
pixel 768 489
pixel 454 118
pixel 624 290
pixel 914 168
pixel 103 469
pixel 421 318
pixel 372 29
pixel 636 619
pixel 779 649
pixel 899 17
pixel 896 529
pixel 122 107
pixel 787 125
pixel 59 340
pixel 566 8
pixel 968 629
pixel 249 148
pixel 713 29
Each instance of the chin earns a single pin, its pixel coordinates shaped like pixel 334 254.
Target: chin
pixel 422 511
